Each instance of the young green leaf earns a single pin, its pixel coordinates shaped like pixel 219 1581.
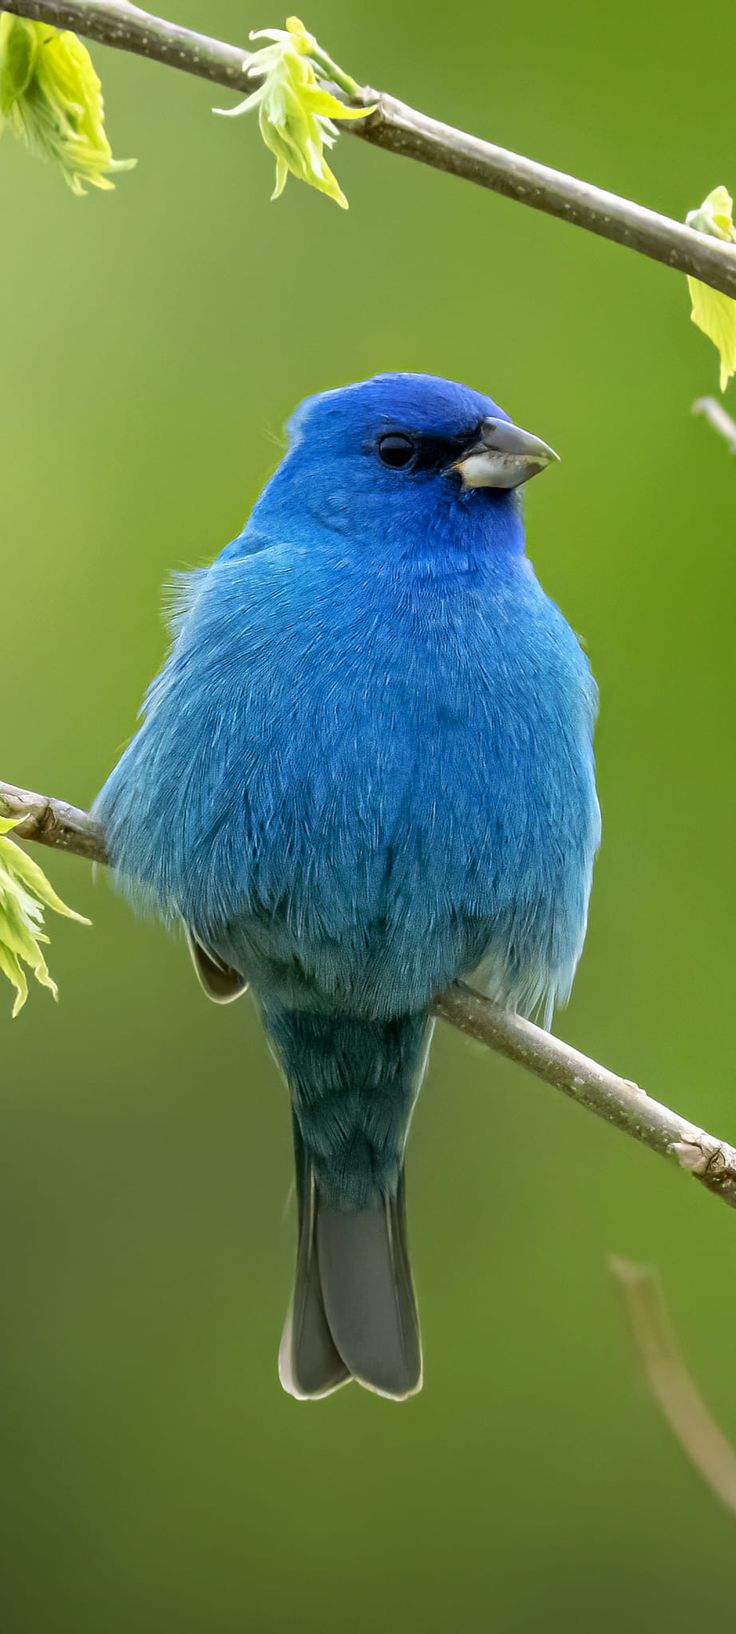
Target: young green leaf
pixel 24 894
pixel 295 111
pixel 51 99
pixel 713 312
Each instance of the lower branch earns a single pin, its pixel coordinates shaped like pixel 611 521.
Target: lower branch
pixel 619 1101
pixel 52 822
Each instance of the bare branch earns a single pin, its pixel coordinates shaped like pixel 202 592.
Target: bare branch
pixel 671 1382
pixel 619 1101
pixel 719 418
pixel 406 131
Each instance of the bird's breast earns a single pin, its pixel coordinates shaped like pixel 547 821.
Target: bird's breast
pixel 347 775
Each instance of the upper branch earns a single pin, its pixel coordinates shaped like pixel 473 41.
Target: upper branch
pixel 404 130
pixel 619 1101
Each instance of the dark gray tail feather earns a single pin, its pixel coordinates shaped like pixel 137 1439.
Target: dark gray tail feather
pixel 309 1364
pixel 353 1314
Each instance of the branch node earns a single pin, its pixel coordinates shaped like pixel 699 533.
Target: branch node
pixel 703 1157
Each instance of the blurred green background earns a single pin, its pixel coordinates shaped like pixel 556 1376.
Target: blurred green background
pixel 153 342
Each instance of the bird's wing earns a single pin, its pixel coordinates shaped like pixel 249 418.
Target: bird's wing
pixel 220 982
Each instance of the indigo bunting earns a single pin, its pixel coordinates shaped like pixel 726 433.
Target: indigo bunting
pixel 366 770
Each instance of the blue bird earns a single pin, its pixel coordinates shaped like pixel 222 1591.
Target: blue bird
pixel 364 771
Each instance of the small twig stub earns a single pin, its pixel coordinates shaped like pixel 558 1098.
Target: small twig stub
pixel 719 418
pixel 671 1381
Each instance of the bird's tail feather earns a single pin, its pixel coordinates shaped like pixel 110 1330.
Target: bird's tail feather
pixel 310 1366
pixel 353 1313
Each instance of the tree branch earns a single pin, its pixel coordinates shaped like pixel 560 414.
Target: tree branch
pixel 619 1101
pixel 405 131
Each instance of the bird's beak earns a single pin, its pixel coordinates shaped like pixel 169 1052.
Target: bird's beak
pixel 503 456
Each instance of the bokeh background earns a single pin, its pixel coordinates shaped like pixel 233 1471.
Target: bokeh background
pixel 153 342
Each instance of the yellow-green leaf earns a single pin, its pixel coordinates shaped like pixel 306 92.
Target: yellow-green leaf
pixel 712 311
pixel 24 894
pixel 17 57
pixel 295 110
pixel 51 99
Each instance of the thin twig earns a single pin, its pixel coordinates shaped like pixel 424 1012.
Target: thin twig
pixel 719 418
pixel 404 130
pixel 671 1382
pixel 619 1101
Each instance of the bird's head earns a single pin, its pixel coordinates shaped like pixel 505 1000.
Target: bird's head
pixel 399 452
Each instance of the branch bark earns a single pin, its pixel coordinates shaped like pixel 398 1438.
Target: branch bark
pixel 617 1100
pixel 404 130
pixel 52 822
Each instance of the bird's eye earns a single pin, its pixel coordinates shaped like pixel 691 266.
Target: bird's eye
pixel 396 450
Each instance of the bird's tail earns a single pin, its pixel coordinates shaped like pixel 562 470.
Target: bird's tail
pixel 353 1314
